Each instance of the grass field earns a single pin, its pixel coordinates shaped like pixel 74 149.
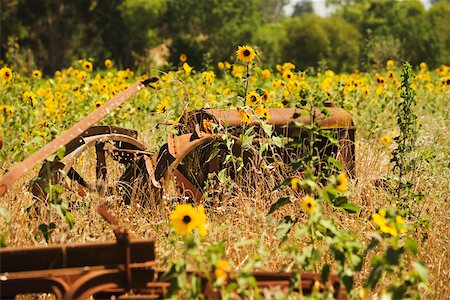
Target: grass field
pixel 34 110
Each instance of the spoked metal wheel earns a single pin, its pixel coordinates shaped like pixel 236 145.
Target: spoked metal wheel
pixel 103 160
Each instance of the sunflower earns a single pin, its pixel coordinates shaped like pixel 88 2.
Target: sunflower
pixel 29 97
pixel 265 96
pixel 385 140
pixel 8 110
pixel 342 181
pixel 37 74
pixel 308 204
pixel 221 65
pixel 384 224
pixel 222 270
pixel 98 104
pixel 238 71
pixel 265 73
pixel 162 106
pixel 6 74
pixel 201 220
pixel 245 54
pixel 87 66
pixel 295 183
pixel 81 75
pixel 183 57
pixel 187 68
pixel 244 116
pixel 288 75
pixel 423 66
pixel 390 74
pixel 262 112
pixel 108 63
pixel 208 77
pixel 186 218
pixel 389 64
pixel 252 98
pixel 287 66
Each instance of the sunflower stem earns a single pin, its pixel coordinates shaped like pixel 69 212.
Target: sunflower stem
pixel 247 75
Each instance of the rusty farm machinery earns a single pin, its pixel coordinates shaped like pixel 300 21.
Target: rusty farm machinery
pixel 186 159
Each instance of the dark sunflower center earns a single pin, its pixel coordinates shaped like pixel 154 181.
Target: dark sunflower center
pixel 246 52
pixel 186 219
pixel 309 204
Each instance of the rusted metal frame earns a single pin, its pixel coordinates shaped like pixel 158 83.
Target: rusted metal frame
pixel 150 166
pixel 72 256
pixel 90 141
pixel 338 118
pixel 122 237
pixel 98 130
pixel 9 289
pixel 93 141
pixel 187 186
pixel 308 280
pixel 38 157
pixel 178 148
pixel 266 279
pixel 182 146
pixel 108 280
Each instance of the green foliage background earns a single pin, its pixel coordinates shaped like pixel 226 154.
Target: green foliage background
pixel 359 34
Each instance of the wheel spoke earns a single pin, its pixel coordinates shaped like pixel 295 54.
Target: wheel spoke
pixel 101 166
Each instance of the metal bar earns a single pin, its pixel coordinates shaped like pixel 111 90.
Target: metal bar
pixel 188 187
pixel 75 255
pixel 100 169
pixel 38 157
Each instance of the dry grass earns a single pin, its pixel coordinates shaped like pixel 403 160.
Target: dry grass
pixel 240 215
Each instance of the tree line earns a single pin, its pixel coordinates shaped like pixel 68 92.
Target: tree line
pixel 359 34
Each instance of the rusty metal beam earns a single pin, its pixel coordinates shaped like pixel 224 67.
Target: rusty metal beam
pixel 38 157
pixel 72 255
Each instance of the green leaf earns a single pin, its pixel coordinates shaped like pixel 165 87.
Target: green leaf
pixel 349 207
pixel 335 162
pixel 267 129
pixel 284 227
pixel 61 152
pixel 279 203
pixel 213 154
pixel 325 272
pixel 223 178
pixel 421 270
pixel 411 245
pixel 375 275
pixel 246 140
pixel 4 214
pixel 348 282
pixel 70 219
pixel 278 141
pixel 340 201
pixel 393 256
